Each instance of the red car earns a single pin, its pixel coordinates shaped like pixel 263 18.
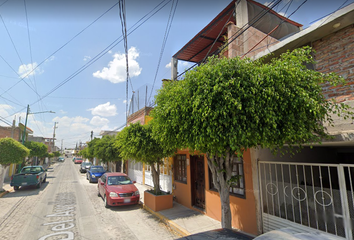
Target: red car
pixel 78 160
pixel 117 189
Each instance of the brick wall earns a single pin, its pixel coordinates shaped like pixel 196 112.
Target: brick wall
pixel 335 53
pixel 6 132
pixel 246 41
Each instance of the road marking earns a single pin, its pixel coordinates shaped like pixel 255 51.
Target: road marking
pixel 64 207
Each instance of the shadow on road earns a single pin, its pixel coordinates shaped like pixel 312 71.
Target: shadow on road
pixel 26 191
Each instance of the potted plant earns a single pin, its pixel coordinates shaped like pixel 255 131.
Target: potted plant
pixel 136 142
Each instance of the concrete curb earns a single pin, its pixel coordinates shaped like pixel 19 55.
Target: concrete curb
pixel 181 231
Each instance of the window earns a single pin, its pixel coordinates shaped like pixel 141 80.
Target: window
pixel 180 168
pixel 238 187
pixel 147 168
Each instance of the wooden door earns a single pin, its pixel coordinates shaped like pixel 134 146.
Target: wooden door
pixel 198 181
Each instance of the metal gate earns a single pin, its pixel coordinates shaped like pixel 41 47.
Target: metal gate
pixel 308 197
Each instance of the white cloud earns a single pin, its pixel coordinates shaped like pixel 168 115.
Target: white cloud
pixel 116 70
pixel 51 58
pixel 4 109
pixel 26 70
pixel 98 121
pixel 62 111
pixel 105 110
pixel 125 101
pixel 4 112
pixel 110 51
pixel 86 58
pixel 168 65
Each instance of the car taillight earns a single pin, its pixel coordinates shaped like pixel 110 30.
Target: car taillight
pixel 12 177
pixel 37 177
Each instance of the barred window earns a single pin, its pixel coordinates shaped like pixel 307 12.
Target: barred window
pixel 180 168
pixel 238 187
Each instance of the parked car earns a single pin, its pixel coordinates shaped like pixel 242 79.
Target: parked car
pixel 29 176
pixel 117 189
pixel 94 173
pixel 85 166
pixel 61 159
pixel 78 160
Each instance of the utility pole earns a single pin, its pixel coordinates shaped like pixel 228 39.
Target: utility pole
pixel 55 126
pixel 24 130
pixel 62 151
pixel 91 135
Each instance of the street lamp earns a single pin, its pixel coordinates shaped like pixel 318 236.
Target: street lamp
pixel 24 130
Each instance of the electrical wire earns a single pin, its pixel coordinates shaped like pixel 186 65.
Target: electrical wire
pixel 94 59
pixel 65 44
pixel 167 31
pixel 276 27
pixel 104 51
pixel 122 12
pixel 239 32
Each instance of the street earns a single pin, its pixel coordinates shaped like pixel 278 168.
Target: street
pixel 67 207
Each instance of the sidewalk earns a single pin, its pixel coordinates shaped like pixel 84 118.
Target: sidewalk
pixel 181 219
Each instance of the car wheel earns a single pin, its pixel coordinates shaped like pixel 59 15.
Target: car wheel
pixel 86 177
pixel 45 179
pixel 98 192
pixel 39 184
pixel 105 202
pixel 16 187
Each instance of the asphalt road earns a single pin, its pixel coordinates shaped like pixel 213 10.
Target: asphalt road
pixel 67 207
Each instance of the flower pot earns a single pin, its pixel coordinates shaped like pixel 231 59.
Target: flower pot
pixel 158 202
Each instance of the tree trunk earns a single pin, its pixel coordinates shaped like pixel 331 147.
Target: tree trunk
pixel 221 169
pixel 3 169
pixel 156 178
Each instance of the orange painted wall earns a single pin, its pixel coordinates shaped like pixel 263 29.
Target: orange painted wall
pixel 243 210
pixel 182 191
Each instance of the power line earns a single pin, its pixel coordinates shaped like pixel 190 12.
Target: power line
pixel 104 51
pixel 167 31
pixel 107 98
pixel 123 21
pixel 61 47
pixel 240 31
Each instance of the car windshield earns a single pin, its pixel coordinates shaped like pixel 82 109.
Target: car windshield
pixel 118 180
pixel 78 158
pixel 86 164
pixel 31 170
pixel 96 169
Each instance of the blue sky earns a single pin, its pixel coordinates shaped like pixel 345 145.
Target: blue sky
pixel 49 36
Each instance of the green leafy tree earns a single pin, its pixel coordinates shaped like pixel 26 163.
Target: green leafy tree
pixel 84 153
pixel 91 148
pixel 37 149
pixel 11 151
pixel 57 154
pixel 106 150
pixel 136 142
pixel 225 106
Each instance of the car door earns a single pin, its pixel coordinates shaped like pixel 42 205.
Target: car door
pixel 101 183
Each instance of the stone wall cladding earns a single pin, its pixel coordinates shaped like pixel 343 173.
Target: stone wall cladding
pixel 335 53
